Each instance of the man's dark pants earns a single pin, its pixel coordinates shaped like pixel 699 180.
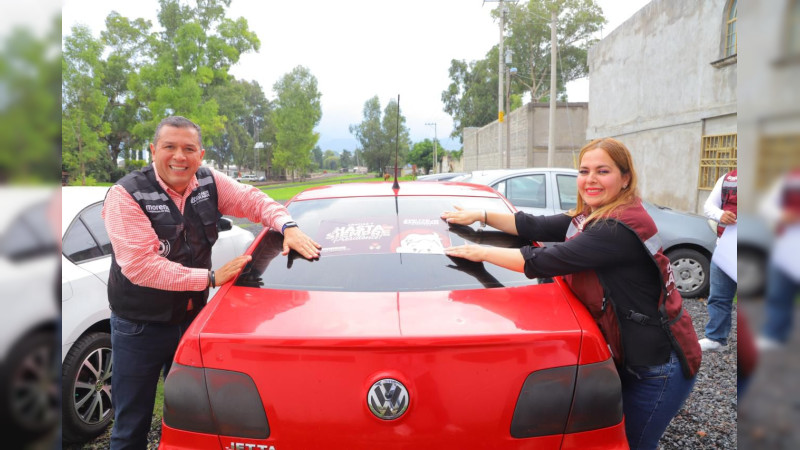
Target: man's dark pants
pixel 140 352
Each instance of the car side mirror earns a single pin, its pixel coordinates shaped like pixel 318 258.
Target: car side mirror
pixel 224 224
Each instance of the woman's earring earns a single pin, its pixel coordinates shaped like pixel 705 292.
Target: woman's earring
pixel 625 186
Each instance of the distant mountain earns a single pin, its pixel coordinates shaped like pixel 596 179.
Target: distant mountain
pixel 350 144
pixel 337 145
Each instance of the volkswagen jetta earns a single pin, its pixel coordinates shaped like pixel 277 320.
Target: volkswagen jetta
pixel 385 342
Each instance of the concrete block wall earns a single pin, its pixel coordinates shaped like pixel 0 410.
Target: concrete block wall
pixel 529 128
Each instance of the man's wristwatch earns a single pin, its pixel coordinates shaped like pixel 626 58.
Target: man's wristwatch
pixel 289 224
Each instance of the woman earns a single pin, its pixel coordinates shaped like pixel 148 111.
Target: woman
pixel 609 251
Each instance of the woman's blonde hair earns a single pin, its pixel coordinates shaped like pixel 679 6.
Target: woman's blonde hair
pixel 624 162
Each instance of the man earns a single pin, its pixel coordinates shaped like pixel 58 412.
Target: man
pixel 162 224
pixel 721 207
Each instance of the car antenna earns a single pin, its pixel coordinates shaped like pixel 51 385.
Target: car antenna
pixel 396 185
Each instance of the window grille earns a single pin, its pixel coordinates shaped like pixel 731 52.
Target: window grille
pixel 717 158
pixel 730 35
pixel 793 29
pixel 776 155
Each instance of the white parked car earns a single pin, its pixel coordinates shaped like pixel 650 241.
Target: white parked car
pixel 688 239
pixel 28 336
pixel 85 336
pixel 249 178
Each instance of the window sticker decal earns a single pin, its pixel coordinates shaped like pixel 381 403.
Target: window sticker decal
pixel 382 236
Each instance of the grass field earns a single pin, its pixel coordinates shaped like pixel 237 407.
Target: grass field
pixel 284 192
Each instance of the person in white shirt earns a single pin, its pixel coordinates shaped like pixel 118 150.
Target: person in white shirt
pixel 721 207
pixel 782 208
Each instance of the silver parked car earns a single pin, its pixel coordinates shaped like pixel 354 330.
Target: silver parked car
pixel 446 176
pixel 688 239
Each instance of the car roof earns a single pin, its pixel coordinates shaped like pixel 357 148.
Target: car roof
pixel 16 199
pixel 380 189
pixel 437 176
pixel 76 198
pixel 488 176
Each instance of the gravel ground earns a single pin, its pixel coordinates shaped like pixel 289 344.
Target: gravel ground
pixel 707 420
pixel 769 411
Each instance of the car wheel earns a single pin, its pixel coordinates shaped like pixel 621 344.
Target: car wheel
pixel 86 392
pixel 692 272
pixel 29 390
pixel 752 272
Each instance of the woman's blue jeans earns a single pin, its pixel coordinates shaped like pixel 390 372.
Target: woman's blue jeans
pixel 651 397
pixel 780 297
pixel 140 352
pixel 720 305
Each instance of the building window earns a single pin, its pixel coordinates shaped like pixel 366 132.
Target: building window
pixel 730 30
pixel 718 157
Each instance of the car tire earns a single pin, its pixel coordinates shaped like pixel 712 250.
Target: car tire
pixel 692 272
pixel 752 270
pixel 86 388
pixel 29 389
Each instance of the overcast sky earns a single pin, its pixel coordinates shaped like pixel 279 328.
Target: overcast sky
pixel 358 49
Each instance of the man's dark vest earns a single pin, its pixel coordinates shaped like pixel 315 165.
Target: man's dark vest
pixel 728 195
pixel 185 239
pixel 673 319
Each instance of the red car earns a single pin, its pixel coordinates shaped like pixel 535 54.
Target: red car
pixel 386 343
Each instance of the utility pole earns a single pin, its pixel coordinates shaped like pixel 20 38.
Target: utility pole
pixel 435 159
pixel 509 72
pixel 255 146
pixel 501 72
pixel 551 134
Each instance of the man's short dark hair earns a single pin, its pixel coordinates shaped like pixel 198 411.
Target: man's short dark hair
pixel 178 122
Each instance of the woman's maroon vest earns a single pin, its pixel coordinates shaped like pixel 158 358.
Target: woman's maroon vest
pixel 673 319
pixel 728 195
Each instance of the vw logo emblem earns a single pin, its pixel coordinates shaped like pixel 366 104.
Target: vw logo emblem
pixel 387 399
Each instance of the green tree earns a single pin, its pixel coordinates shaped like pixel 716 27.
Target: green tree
pixel 378 135
pixel 193 53
pixel 346 159
pixel 297 112
pixel 529 41
pixel 330 160
pixel 258 123
pixel 83 102
pixel 369 135
pixel 471 97
pixel 130 45
pixel 247 112
pixel 30 133
pixel 421 154
pixel 395 134
pixel 316 156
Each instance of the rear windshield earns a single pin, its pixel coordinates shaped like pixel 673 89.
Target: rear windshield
pixel 383 244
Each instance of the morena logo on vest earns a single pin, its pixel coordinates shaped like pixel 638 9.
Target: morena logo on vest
pixel 201 196
pixel 156 208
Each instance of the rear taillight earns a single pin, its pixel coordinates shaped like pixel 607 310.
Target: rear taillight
pixel 598 398
pixel 214 401
pixel 543 405
pixel 568 399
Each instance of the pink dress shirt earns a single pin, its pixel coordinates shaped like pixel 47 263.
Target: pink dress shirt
pixel 135 242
